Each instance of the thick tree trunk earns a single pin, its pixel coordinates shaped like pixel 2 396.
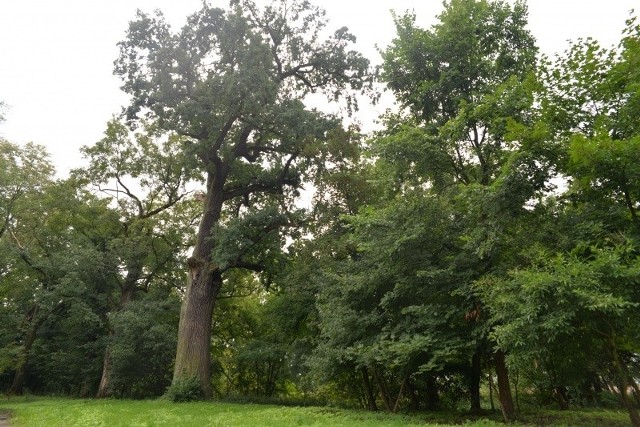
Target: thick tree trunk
pixel 504 388
pixel 17 384
pixel 623 387
pixel 193 355
pixel 474 383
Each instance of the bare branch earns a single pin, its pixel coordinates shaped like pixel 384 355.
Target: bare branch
pixel 131 196
pixel 171 202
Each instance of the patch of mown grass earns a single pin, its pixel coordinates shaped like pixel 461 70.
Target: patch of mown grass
pixel 68 412
pixel 576 418
pixel 35 412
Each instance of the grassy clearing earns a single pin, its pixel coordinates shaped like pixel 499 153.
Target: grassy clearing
pixel 67 412
pixel 70 412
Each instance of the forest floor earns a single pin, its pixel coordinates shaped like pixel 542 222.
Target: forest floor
pixel 51 412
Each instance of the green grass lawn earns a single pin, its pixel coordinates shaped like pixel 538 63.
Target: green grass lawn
pixel 27 412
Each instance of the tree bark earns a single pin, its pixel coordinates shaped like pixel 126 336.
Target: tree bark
pixel 474 383
pixel 193 355
pixel 504 388
pixel 104 389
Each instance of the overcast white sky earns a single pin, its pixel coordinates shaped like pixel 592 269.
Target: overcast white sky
pixel 56 56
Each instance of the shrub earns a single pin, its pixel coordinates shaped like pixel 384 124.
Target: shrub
pixel 185 390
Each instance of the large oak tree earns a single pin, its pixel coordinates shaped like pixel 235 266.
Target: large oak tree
pixel 232 83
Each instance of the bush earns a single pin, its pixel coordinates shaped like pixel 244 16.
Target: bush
pixel 185 390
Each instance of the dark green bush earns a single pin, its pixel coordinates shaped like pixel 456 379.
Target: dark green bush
pixel 185 390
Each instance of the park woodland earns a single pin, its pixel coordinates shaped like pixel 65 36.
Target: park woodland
pixel 228 239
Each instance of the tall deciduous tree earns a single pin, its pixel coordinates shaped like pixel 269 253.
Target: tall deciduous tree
pixel 58 269
pixel 583 291
pixel 24 173
pixel 232 82
pixel 144 178
pixel 462 83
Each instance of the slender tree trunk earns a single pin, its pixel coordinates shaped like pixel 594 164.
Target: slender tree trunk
pixel 362 393
pixel 622 383
pixel 516 382
pixel 636 390
pixel 504 388
pixel 630 204
pixel 561 397
pixel 371 399
pixel 433 399
pixel 415 402
pixel 490 378
pixel 272 377
pixel 596 386
pixel 397 404
pixel 384 392
pixel 474 383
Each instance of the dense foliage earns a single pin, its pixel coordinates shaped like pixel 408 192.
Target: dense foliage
pixel 485 243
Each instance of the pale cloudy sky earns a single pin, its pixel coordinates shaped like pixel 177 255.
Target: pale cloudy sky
pixel 56 56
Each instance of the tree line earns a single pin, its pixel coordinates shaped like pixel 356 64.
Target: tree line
pixel 484 241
